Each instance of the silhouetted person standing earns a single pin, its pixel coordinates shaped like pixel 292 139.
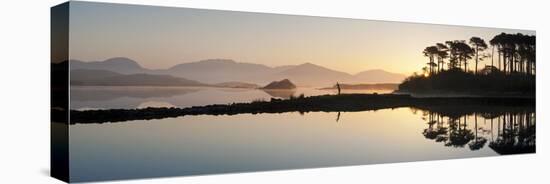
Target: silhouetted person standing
pixel 338 86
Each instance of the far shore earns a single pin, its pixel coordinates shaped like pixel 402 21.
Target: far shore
pixel 447 106
pixel 370 86
pixel 451 94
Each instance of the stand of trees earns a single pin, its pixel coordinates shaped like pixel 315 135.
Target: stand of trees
pixel 515 54
pixel 512 66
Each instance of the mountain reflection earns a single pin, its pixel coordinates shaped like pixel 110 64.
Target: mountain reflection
pixel 280 93
pixel 506 132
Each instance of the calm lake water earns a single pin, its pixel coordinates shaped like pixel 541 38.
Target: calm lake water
pixel 100 97
pixel 194 145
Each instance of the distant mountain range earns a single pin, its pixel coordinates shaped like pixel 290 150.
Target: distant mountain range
pixel 215 71
pixel 120 65
pixel 88 77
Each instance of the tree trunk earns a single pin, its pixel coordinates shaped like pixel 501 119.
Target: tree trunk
pixel 528 67
pixel 499 66
pixel 492 60
pixel 432 62
pixel 504 66
pixel 511 58
pixel 439 64
pixel 465 65
pixel 523 70
pixel 477 57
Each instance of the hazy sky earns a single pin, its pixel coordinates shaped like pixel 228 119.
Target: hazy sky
pixel 160 37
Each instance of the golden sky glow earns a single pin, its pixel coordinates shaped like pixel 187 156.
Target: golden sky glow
pixel 160 37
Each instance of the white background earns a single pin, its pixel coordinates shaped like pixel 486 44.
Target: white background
pixel 24 90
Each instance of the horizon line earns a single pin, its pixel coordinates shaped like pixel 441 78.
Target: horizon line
pixel 235 61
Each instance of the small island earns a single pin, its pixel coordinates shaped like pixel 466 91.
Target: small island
pixel 283 84
pixel 448 86
pixel 149 91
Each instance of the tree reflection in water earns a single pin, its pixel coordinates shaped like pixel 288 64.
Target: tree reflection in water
pixel 508 132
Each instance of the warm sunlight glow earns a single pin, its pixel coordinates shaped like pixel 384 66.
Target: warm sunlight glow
pixel 161 37
pixel 157 91
pixel 426 74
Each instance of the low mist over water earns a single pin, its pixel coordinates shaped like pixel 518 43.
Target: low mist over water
pixel 130 97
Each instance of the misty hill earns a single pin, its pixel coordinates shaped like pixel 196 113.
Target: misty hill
pixel 378 76
pixel 148 80
pixel 108 78
pixel 313 75
pixel 283 84
pixel 218 70
pixel 119 64
pixel 215 71
pixel 89 74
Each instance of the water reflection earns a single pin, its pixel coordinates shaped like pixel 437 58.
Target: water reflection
pixel 506 132
pixel 280 93
pixel 209 144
